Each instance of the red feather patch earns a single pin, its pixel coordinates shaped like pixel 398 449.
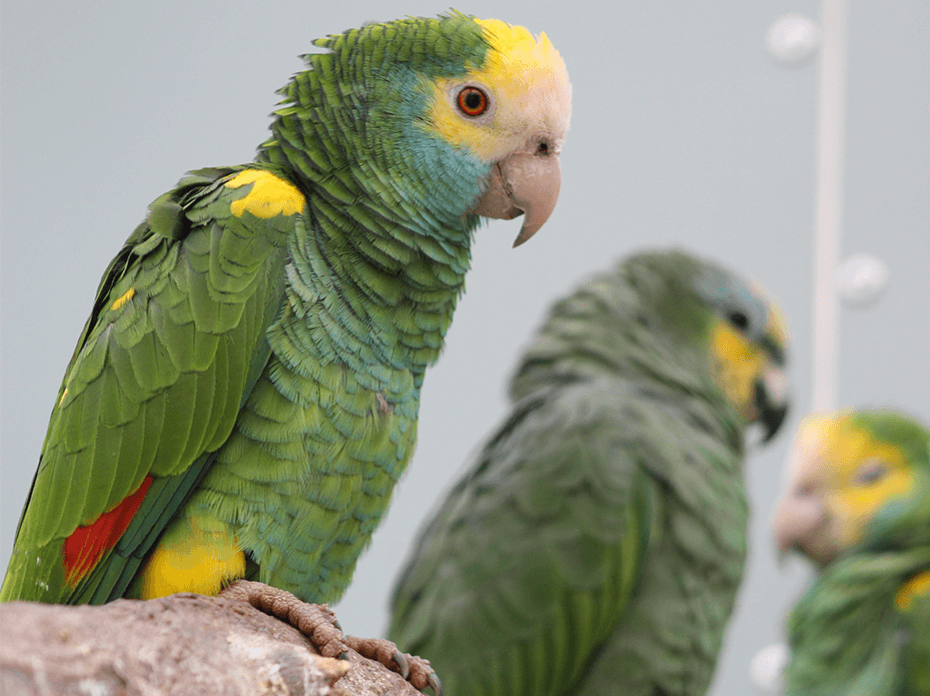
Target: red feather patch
pixel 86 545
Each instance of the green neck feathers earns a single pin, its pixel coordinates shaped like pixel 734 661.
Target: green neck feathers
pixel 388 225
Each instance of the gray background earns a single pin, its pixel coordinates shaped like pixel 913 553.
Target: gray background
pixel 684 132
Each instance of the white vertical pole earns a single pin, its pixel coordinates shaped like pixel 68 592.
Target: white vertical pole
pixel 829 205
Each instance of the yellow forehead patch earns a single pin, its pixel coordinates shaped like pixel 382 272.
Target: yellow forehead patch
pixel 270 195
pixel 777 325
pixel 516 56
pixel 529 87
pixel 846 446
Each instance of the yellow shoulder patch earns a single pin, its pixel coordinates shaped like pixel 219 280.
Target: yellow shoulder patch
pixel 270 195
pixel 917 586
pixel 123 299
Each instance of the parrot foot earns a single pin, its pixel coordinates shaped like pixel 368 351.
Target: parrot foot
pixel 316 621
pixel 416 670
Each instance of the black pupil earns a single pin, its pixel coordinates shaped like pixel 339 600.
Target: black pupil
pixel 473 100
pixel 740 320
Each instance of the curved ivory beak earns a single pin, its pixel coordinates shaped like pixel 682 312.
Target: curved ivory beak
pixel 526 183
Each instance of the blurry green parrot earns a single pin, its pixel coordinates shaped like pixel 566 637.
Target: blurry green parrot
pixel 245 393
pixel 596 543
pixel 858 505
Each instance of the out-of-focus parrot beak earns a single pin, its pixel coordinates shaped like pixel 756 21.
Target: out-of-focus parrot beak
pixel 771 390
pixel 797 518
pixel 771 400
pixel 524 183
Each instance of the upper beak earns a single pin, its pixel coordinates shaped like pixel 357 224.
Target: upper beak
pixel 771 400
pixel 771 391
pixel 523 182
pixel 797 517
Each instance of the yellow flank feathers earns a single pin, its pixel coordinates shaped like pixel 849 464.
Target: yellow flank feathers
pixel 200 562
pixel 917 586
pixel 270 195
pixel 123 299
pixel 529 92
pixel 738 364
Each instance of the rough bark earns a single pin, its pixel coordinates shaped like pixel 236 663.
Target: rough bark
pixel 180 645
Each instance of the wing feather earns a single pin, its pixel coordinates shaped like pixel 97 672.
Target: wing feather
pixel 173 346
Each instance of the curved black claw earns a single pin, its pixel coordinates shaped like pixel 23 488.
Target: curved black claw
pixel 401 661
pixel 433 681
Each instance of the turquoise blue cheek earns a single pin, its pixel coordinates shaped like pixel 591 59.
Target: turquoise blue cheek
pixel 440 178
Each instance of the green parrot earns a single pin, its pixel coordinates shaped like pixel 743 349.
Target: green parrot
pixel 858 505
pixel 596 543
pixel 244 395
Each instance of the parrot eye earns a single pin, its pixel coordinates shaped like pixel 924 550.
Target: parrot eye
pixel 871 471
pixel 738 319
pixel 472 101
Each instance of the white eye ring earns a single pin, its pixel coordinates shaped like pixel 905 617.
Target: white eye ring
pixel 871 471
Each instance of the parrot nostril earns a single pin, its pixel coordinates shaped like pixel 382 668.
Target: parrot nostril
pixel 805 490
pixel 542 149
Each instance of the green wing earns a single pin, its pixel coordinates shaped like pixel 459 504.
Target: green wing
pixel 173 346
pixel 533 557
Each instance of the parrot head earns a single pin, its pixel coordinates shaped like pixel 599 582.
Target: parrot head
pixel 441 121
pixel 857 480
pixel 748 346
pixel 674 318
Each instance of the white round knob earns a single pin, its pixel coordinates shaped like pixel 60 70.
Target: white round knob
pixel 766 669
pixel 862 279
pixel 793 39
